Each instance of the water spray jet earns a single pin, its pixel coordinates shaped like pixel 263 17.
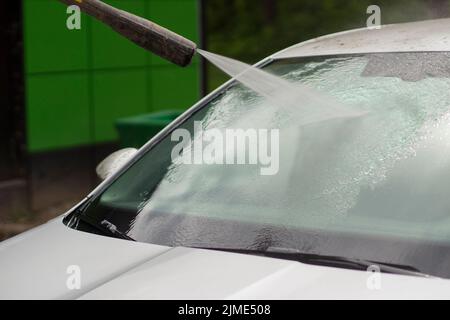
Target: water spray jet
pixel 308 105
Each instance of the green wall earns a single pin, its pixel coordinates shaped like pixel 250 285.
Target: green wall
pixel 79 81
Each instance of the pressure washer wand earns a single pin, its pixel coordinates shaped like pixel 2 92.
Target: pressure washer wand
pixel 144 33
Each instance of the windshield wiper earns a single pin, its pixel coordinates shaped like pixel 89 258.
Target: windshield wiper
pixel 104 226
pixel 323 260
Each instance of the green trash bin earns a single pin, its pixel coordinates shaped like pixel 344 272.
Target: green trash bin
pixel 136 131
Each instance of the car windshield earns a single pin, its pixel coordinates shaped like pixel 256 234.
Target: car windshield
pixel 374 187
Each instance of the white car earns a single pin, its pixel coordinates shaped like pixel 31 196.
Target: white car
pixel 359 209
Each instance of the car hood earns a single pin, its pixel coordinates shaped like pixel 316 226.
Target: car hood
pixel 39 264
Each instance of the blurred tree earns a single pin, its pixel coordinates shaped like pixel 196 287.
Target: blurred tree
pixel 249 30
pixel 438 8
pixel 270 11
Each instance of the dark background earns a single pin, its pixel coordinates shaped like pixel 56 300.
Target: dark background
pixel 250 30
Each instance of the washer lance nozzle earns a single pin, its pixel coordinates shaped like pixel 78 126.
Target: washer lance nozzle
pixel 143 32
